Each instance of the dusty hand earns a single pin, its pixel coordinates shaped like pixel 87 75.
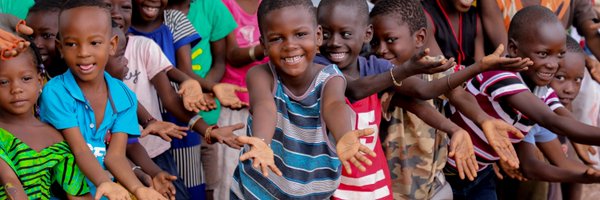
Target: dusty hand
pixel 496 131
pixel 165 130
pixel 193 99
pixel 224 135
pixel 461 149
pixel 350 150
pixel 226 94
pixel 112 191
pixel 583 151
pixel 146 193
pixel 496 61
pixel 261 154
pixel 422 63
pixel 511 171
pixel 163 184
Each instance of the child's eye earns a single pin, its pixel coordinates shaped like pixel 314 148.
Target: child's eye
pixel 275 39
pixel 27 78
pixel 70 44
pixel 48 36
pixel 96 43
pixel 542 54
pixel 3 82
pixel 560 77
pixel 346 35
pixel 108 5
pixel 579 80
pixel 390 40
pixel 301 34
pixel 326 35
pixel 561 54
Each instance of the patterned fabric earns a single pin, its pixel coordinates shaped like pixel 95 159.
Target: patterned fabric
pixel 374 183
pixel 415 152
pixel 303 151
pixel 510 7
pixel 38 170
pixel 488 88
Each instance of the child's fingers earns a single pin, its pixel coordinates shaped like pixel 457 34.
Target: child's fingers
pixel 357 164
pixel 240 89
pixel 473 165
pixel 165 137
pixel 264 169
pixel 247 155
pixel 366 150
pixel 347 167
pixel 359 156
pixel 497 172
pixel 422 54
pixel 243 139
pixel 467 169
pixel 499 50
pixel 275 170
pixel 365 132
pixel 460 167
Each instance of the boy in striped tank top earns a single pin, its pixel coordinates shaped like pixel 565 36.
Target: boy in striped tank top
pixel 299 126
pixel 522 99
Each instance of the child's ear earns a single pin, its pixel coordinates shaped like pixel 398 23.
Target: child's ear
pixel 319 35
pixel 264 46
pixel 419 37
pixel 512 47
pixel 369 33
pixel 114 41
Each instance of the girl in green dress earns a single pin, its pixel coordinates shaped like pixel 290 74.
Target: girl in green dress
pixel 33 155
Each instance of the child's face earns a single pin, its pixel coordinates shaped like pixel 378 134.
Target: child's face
pixel 45 29
pixel 462 5
pixel 117 64
pixel 567 80
pixel 120 11
pixel 545 47
pixel 20 84
pixel 86 46
pixel 344 33
pixel 149 10
pixel 291 39
pixel 392 40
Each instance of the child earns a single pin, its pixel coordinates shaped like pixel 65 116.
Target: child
pixel 21 82
pixel 399 32
pixel 515 97
pixel 84 88
pixel 43 18
pixel 295 104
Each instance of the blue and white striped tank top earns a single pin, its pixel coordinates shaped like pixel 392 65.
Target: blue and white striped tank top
pixel 302 149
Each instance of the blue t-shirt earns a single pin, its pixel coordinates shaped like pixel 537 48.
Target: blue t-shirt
pixel 63 105
pixel 539 134
pixel 367 66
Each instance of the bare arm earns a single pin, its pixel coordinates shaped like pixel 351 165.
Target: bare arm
pixel 427 113
pixel 219 50
pixel 84 157
pixel 239 57
pixel 537 111
pixel 493 24
pixel 335 111
pixel 10 182
pixel 479 49
pixel 184 70
pixel 118 164
pixel 263 110
pixel 139 156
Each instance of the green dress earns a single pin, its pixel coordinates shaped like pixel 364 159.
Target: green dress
pixel 38 170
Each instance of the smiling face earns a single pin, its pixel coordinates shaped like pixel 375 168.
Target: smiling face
pixel 344 34
pixel 461 5
pixel 291 39
pixel 393 41
pixel 20 84
pixel 120 11
pixel 546 47
pixel 148 10
pixel 567 80
pixel 45 29
pixel 86 46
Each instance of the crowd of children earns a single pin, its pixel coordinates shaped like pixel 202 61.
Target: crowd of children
pixel 297 99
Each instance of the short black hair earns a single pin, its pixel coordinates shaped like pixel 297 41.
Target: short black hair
pixel 47 6
pixel 527 20
pixel 573 46
pixel 72 4
pixel 360 6
pixel 407 11
pixel 266 6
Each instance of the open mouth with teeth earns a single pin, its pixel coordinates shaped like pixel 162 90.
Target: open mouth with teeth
pixel 545 76
pixel 87 68
pixel 338 57
pixel 150 12
pixel 293 60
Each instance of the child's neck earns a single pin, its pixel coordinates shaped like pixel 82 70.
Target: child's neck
pixel 94 86
pixel 147 26
pixel 25 119
pixel 299 84
pixel 352 70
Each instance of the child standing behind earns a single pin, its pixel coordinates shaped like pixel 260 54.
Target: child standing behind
pixel 299 119
pixel 86 88
pixel 20 84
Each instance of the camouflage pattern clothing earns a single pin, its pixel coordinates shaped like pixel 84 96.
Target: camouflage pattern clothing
pixel 416 153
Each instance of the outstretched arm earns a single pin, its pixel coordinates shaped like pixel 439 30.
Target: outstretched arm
pixel 11 183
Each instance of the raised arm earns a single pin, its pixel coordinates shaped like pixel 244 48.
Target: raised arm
pixel 219 51
pixel 10 182
pixel 493 24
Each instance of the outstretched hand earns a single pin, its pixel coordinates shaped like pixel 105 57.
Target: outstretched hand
pixel 111 191
pixel 350 150
pixel 496 61
pixel 146 193
pixel 224 135
pixel 260 153
pixel 461 149
pixel 422 63
pixel 584 151
pixel 11 44
pixel 496 131
pixel 512 172
pixel 193 98
pixel 163 184
pixel 226 94
pixel 165 130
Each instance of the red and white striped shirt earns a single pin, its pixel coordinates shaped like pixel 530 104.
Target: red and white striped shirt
pixel 375 182
pixel 489 88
